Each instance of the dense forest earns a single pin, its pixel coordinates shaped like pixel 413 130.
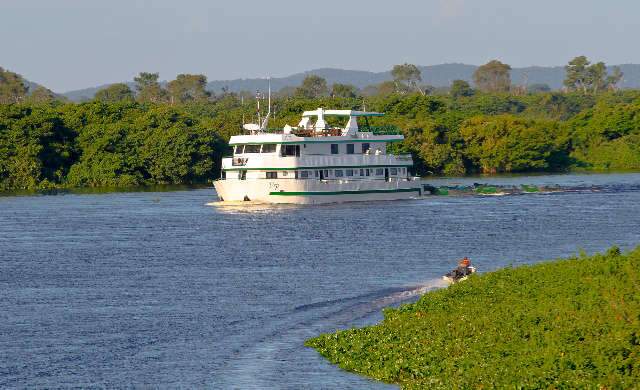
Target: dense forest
pixel 178 133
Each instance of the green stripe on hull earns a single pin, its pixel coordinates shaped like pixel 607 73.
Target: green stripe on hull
pixel 353 192
pixel 325 167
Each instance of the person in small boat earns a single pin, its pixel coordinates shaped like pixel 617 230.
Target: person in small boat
pixel 464 268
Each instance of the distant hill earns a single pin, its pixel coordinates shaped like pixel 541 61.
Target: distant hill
pixel 435 75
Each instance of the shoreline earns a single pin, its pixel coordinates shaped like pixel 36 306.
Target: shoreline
pixel 571 322
pixel 172 187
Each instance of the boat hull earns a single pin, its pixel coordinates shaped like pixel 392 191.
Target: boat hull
pixel 316 191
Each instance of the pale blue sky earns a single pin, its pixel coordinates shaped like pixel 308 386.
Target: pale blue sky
pixel 72 44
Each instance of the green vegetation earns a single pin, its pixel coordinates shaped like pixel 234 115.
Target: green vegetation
pixel 176 132
pixel 493 76
pixel 100 144
pixel 572 323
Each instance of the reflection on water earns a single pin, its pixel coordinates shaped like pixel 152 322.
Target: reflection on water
pixel 252 207
pixel 147 289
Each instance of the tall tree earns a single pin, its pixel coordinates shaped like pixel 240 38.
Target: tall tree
pixel 149 89
pixel 344 90
pixel 577 74
pixel 493 76
pixel 586 77
pixel 114 93
pixel 13 89
pixel 188 88
pixel 614 78
pixel 460 88
pixel 42 95
pixel 597 76
pixel 406 76
pixel 312 87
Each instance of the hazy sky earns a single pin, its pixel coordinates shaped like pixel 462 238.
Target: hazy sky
pixel 72 44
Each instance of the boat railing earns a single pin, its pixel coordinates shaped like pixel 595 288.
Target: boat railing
pixel 382 130
pixel 333 132
pixel 404 156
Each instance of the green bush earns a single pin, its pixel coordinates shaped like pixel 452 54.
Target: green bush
pixel 572 323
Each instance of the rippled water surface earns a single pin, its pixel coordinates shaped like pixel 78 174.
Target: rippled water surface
pixel 160 289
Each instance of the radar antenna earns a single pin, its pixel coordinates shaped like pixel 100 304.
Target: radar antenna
pixel 266 118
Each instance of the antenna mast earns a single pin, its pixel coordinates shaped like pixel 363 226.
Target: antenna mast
pixel 266 118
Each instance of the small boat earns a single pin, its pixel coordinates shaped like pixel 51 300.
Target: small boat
pixel 461 272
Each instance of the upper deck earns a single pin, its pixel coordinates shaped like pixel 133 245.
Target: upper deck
pixel 309 132
pixel 298 139
pixel 314 146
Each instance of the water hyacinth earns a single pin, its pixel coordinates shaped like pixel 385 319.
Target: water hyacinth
pixel 570 323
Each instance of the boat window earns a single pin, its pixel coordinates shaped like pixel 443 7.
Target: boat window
pixel 223 175
pixel 242 175
pixel 365 147
pixel 268 148
pixel 361 172
pixel 252 149
pixel 334 148
pixel 285 173
pixel 326 173
pixel 367 171
pixel 316 173
pixel 339 173
pixel 272 175
pixel 349 172
pixel 393 171
pixel 379 172
pixel 239 149
pixel 304 174
pixel 290 150
pixel 350 149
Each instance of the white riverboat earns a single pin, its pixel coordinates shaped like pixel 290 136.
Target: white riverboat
pixel 316 163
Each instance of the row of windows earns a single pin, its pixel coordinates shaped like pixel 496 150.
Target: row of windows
pixel 294 150
pixel 351 148
pixel 326 173
pixel 266 148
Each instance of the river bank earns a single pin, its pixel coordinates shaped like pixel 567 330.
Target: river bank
pixel 573 322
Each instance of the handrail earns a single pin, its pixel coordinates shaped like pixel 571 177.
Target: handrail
pixel 334 132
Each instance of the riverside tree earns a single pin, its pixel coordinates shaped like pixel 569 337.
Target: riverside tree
pixel 42 95
pixel 114 93
pixel 149 89
pixel 344 90
pixel 493 76
pixel 460 88
pixel 188 88
pixel 13 89
pixel 585 77
pixel 406 77
pixel 312 87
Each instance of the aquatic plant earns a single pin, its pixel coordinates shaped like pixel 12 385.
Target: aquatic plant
pixel 571 323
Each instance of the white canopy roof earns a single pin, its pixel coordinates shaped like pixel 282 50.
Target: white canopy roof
pixel 321 111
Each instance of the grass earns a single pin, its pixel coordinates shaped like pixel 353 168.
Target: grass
pixel 572 323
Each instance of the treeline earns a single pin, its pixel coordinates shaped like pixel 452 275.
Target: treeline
pixel 177 133
pixel 104 144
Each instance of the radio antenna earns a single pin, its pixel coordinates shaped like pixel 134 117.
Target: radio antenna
pixel 266 118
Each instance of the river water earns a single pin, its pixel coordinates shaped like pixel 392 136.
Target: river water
pixel 159 289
